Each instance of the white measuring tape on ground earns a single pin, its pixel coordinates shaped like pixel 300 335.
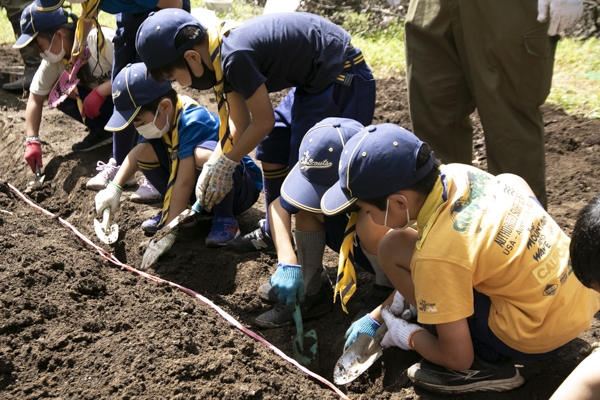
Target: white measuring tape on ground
pixel 111 258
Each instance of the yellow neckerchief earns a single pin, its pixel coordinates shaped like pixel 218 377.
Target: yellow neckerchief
pixel 431 208
pixel 215 35
pixel 89 9
pixel 171 139
pixel 346 275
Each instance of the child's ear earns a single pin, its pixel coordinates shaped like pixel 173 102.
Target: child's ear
pixel 192 55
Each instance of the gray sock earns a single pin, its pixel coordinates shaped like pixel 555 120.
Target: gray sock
pixel 310 247
pixel 380 278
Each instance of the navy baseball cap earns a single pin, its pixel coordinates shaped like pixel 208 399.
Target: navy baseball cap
pixel 155 38
pixel 133 88
pixel 34 21
pixel 48 5
pixel 378 161
pixel 317 167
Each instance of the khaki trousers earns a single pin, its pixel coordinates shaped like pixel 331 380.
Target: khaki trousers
pixel 486 54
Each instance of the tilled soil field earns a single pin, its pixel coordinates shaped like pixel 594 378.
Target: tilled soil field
pixel 74 325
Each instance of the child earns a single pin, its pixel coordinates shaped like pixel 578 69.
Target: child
pixel 487 268
pixel 178 136
pixel 52 35
pixel 299 277
pixel 244 64
pixel 129 16
pixel 584 382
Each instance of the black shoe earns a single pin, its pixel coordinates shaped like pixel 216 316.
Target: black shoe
pixel 96 138
pixel 312 306
pixel 253 241
pixel 22 84
pixel 267 293
pixel 483 376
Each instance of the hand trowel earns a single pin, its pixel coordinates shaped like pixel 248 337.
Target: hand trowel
pixel 106 233
pixel 359 357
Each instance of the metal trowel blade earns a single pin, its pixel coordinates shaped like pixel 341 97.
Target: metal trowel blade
pixel 359 357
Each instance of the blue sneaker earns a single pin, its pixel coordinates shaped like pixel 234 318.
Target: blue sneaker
pixel 151 224
pixel 223 230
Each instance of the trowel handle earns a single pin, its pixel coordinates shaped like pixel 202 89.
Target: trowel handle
pixel 196 207
pixel 106 218
pixel 298 319
pixel 38 172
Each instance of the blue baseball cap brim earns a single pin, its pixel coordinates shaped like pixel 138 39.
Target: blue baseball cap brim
pixel 33 21
pixel 318 161
pixel 300 193
pixel 132 88
pixel 378 161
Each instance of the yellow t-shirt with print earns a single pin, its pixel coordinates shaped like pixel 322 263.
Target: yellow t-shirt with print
pixel 478 233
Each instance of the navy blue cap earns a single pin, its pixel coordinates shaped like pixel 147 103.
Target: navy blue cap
pixel 317 167
pixel 48 5
pixel 34 21
pixel 378 161
pixel 133 88
pixel 155 38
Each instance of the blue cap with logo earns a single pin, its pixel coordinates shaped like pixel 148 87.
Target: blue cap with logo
pixel 34 21
pixel 378 161
pixel 133 88
pixel 318 160
pixel 155 39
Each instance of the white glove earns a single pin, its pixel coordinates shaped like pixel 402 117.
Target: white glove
pixel 155 250
pixel 393 3
pixel 563 13
pixel 402 308
pixel 108 197
pixel 215 181
pixel 399 331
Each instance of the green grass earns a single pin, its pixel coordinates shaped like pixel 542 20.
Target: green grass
pixel 576 81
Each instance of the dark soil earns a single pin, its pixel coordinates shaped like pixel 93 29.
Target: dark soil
pixel 73 325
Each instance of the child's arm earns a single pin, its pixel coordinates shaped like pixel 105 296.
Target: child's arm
pixel 252 120
pixel 583 383
pixel 33 114
pixel 183 187
pixel 281 227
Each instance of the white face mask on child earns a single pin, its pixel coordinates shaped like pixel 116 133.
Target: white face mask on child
pixel 50 57
pixel 150 131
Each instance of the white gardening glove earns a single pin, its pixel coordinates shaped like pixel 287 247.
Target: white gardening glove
pixel 108 197
pixel 155 250
pixel 215 181
pixel 563 13
pixel 399 332
pixel 402 308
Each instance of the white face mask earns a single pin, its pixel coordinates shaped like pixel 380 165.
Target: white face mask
pixel 409 222
pixel 150 131
pixel 50 57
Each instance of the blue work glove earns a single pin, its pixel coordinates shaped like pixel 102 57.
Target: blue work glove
pixel 364 325
pixel 288 282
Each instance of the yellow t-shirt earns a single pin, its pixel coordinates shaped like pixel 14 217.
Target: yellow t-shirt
pixel 478 233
